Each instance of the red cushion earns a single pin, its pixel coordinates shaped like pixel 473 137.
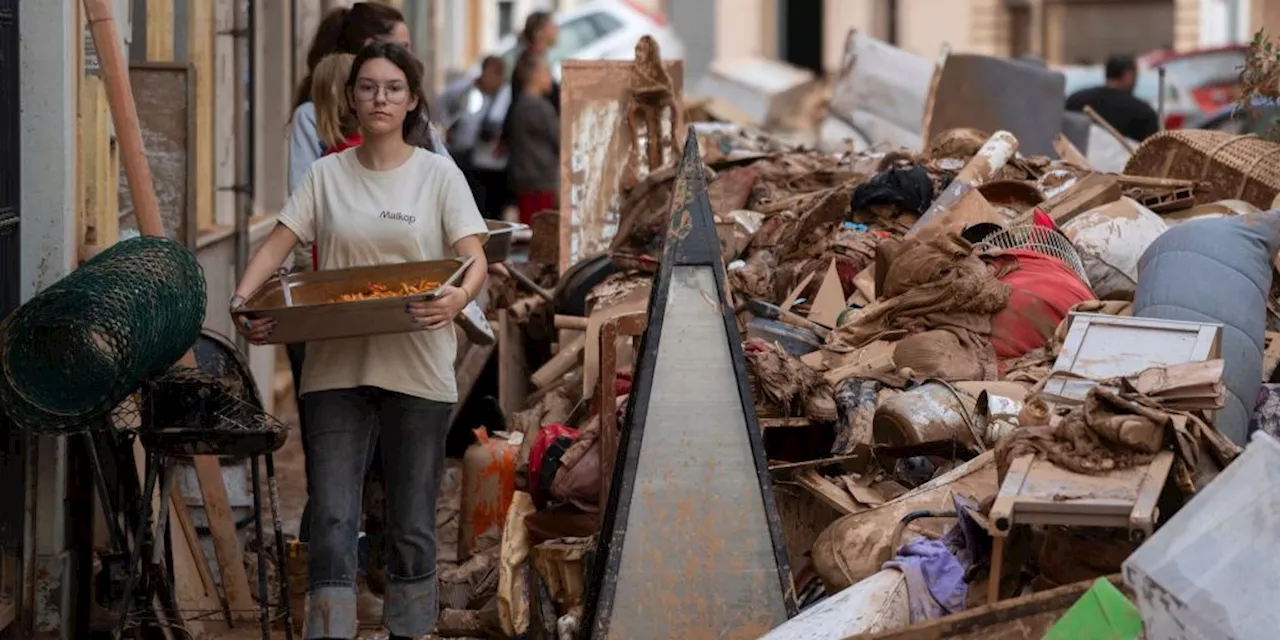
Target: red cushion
pixel 1044 290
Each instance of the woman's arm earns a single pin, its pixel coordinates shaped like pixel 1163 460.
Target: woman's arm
pixel 267 260
pixel 304 143
pixel 465 230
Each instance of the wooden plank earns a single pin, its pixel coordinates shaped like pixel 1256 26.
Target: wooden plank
pixel 163 93
pixel 159 30
pixel 1005 620
pixel 566 359
pixel 594 146
pixel 828 303
pixel 200 54
pixel 513 370
pixel 193 585
pixel 98 159
pixel 226 543
pixel 831 494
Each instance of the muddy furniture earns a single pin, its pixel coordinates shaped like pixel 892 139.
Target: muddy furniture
pixel 1037 492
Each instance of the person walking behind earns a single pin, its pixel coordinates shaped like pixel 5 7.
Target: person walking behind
pixel 539 37
pixel 384 202
pixel 336 123
pixel 534 144
pixel 473 139
pixel 1115 102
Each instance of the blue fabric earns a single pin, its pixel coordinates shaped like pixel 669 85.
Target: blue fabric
pixel 1218 271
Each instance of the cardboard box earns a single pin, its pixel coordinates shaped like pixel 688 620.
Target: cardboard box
pixel 302 303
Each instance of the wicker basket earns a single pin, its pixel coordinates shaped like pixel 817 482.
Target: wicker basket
pixel 1227 166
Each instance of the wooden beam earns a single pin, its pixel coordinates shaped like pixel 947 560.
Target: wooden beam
pixel 513 370
pixel 200 53
pixel 160 30
pixel 226 543
pixel 98 160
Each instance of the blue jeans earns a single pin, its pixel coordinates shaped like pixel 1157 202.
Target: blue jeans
pixel 342 426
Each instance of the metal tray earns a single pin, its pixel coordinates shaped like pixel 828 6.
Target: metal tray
pixel 301 302
pixel 501 237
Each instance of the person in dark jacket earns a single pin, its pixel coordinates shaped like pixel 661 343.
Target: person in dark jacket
pixel 534 142
pixel 537 40
pixel 1115 102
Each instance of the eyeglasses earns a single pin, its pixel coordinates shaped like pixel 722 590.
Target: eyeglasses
pixel 394 93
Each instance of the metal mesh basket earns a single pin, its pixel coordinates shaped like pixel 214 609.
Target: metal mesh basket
pixel 1226 166
pixel 1049 242
pixel 190 413
pixel 72 353
pixel 213 408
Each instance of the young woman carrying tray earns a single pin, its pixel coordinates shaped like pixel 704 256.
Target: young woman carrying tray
pixel 384 202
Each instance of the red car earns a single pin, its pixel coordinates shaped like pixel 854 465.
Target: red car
pixel 1198 83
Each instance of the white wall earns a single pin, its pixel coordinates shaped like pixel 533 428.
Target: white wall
pixel 1224 22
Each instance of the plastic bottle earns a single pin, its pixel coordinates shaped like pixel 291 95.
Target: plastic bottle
pixel 488 483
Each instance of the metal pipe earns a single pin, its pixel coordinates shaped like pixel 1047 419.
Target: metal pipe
pixel 1160 106
pixel 27 601
pixel 244 62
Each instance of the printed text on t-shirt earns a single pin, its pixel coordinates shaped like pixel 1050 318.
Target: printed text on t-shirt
pixel 396 215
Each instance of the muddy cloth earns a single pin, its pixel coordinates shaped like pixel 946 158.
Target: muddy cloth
pixel 785 386
pixel 1120 426
pixel 908 188
pixel 933 285
pixel 1044 290
pixel 1217 271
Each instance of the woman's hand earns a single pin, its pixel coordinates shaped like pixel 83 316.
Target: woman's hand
pixel 438 312
pixel 255 330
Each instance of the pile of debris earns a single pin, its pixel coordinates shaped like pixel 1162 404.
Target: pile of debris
pixel 977 371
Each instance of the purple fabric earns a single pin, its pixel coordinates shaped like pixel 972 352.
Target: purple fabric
pixel 935 569
pixel 935 579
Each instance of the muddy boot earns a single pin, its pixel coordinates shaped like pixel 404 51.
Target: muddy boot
pixel 368 604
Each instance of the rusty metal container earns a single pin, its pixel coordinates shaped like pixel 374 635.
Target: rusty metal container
pixel 931 412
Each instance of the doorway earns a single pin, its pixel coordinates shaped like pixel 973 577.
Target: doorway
pixel 11 467
pixel 800 27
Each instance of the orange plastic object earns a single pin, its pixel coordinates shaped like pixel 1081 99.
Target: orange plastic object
pixel 488 484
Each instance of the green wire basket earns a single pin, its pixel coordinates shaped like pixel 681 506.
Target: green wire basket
pixel 79 348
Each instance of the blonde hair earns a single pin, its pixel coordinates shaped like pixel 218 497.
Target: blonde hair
pixel 334 120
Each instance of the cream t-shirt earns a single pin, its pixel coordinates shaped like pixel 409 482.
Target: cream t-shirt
pixel 358 217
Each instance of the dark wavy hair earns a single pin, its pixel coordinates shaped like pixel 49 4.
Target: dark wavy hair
pixel 415 121
pixel 346 30
pixel 532 25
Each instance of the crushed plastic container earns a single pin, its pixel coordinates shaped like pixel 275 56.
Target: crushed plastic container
pixel 1212 571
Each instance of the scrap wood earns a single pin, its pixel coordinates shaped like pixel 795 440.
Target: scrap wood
pixel 1070 152
pixel 1106 126
pixel 226 543
pixel 565 359
pixel 835 496
pixel 829 302
pixel 1090 192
